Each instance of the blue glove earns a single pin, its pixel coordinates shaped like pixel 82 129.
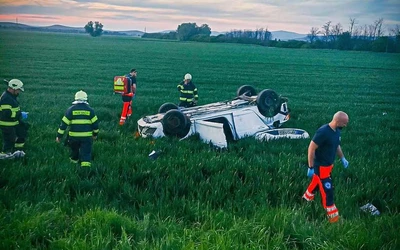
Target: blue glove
pixel 344 162
pixel 24 115
pixel 310 172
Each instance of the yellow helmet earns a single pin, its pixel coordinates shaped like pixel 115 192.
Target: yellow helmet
pixel 81 96
pixel 16 84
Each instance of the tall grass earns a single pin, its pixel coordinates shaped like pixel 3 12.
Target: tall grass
pixel 192 196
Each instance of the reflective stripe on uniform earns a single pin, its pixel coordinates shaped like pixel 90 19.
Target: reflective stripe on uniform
pixel 66 120
pixel 81 121
pixel 187 91
pixel 80 134
pixel 80 112
pixel 85 164
pixel 8 124
pixel 13 110
pixel 185 99
pixel 94 119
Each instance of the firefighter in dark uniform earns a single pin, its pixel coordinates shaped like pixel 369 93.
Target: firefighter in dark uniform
pixel 188 92
pixel 83 129
pixel 322 151
pixel 14 128
pixel 128 96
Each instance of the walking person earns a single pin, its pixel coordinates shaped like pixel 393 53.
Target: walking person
pixel 188 92
pixel 322 151
pixel 12 120
pixel 83 129
pixel 128 96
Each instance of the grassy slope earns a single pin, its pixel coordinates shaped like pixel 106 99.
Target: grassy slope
pixel 194 197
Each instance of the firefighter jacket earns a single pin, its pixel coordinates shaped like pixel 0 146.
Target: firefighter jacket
pixel 188 92
pixel 82 122
pixel 10 112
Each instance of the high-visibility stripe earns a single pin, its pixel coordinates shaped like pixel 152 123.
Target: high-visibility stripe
pixel 96 131
pixel 187 91
pixel 80 134
pixel 85 164
pixel 332 214
pixel 73 161
pixel 66 120
pixel 60 131
pixel 80 112
pixel 8 124
pixel 185 99
pixel 81 121
pixel 19 145
pixel 5 106
pixel 308 196
pixel 94 119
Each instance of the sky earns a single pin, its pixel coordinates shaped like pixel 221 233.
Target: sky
pixel 220 15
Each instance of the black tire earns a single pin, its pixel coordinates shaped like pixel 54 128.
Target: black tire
pixel 268 102
pixel 167 107
pixel 174 123
pixel 247 90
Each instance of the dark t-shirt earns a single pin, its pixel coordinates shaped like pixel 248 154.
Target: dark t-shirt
pixel 328 141
pixel 132 80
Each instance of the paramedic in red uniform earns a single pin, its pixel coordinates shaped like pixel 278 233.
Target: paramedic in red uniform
pixel 322 151
pixel 128 96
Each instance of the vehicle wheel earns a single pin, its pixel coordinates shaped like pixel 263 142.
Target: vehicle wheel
pixel 174 122
pixel 268 103
pixel 167 107
pixel 247 90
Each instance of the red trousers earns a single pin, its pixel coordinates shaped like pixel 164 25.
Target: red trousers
pixel 126 108
pixel 322 181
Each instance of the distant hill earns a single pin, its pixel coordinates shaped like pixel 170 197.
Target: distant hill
pixel 287 35
pixel 64 29
pixel 278 35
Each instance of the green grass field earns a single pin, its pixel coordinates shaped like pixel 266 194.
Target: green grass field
pixel 192 196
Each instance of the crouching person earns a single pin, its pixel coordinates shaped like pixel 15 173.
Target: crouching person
pixel 83 129
pixel 12 121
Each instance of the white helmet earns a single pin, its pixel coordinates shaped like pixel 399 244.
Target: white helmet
pixel 188 76
pixel 16 84
pixel 81 96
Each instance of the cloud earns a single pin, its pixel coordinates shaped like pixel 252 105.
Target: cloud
pixel 222 15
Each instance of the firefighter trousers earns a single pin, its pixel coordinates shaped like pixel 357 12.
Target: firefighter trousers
pixel 14 137
pixel 81 150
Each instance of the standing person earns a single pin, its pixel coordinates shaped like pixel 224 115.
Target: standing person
pixel 12 124
pixel 83 129
pixel 127 97
pixel 188 92
pixel 322 150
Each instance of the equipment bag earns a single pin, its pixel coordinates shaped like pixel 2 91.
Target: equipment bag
pixel 121 84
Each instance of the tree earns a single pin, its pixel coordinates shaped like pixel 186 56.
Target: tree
pixel 204 29
pixel 326 32
pixel 352 23
pixel 313 34
pixel 97 30
pixel 186 30
pixel 344 41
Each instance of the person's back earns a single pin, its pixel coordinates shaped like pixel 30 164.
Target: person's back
pixel 127 97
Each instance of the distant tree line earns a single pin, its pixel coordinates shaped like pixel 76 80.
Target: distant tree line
pixel 365 38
